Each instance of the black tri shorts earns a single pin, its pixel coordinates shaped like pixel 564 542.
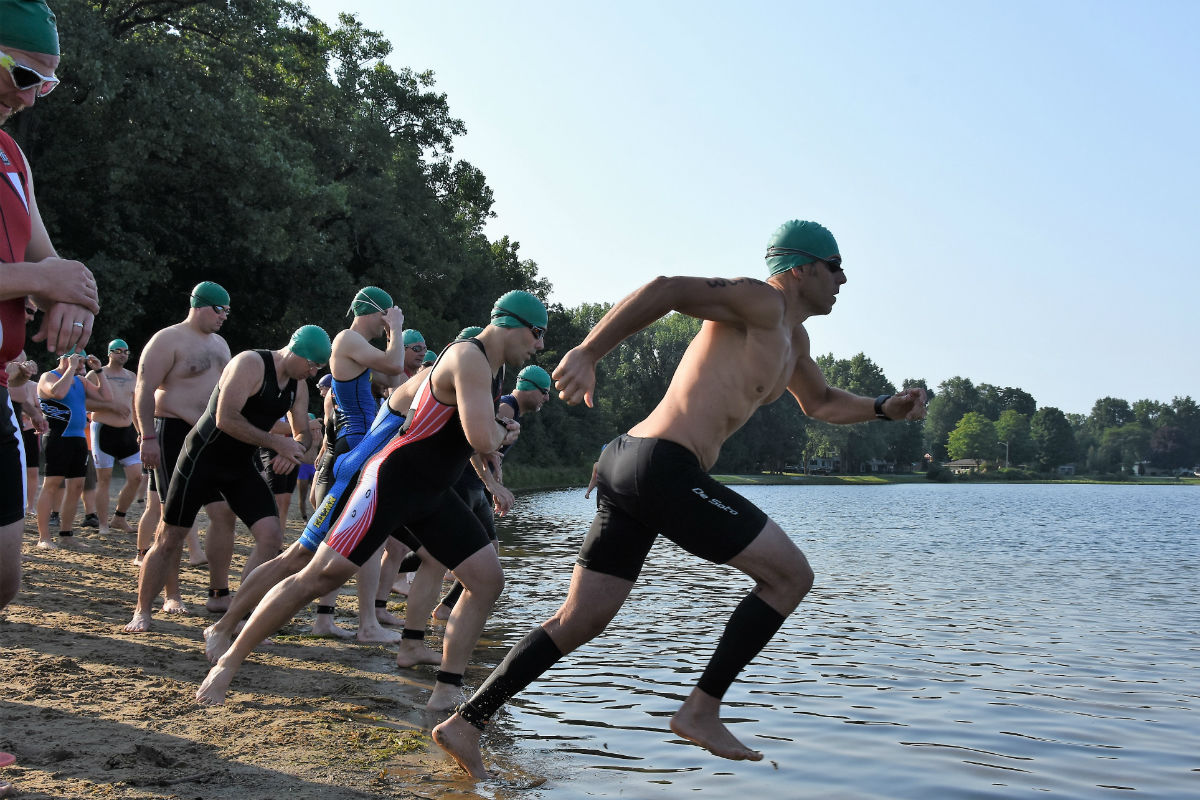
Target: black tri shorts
pixel 12 464
pixel 66 456
pixel 650 486
pixel 280 484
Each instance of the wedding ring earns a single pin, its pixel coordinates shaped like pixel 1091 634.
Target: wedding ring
pixel 77 324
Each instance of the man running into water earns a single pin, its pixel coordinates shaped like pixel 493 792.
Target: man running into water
pixel 218 460
pixel 176 375
pixel 114 438
pixel 407 490
pixel 751 348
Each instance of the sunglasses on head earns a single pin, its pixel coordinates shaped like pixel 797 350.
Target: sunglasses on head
pixel 25 77
pixel 538 331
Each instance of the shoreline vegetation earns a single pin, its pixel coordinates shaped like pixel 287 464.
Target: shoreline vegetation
pixel 533 479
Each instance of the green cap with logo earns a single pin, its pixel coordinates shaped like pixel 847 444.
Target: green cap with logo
pixel 518 309
pixel 312 343
pixel 28 25
pixel 469 332
pixel 208 293
pixel 796 243
pixel 533 377
pixel 117 344
pixel 369 300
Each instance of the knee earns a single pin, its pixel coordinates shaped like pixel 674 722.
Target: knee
pixel 790 581
pixel 269 537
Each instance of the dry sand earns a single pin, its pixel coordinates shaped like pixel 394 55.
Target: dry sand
pixel 90 711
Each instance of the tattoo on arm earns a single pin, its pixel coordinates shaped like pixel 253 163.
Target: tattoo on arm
pixel 718 283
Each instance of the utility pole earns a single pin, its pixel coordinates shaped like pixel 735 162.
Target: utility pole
pixel 1005 453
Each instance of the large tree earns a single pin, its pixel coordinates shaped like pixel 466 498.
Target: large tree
pixel 954 398
pixel 1053 439
pixel 973 437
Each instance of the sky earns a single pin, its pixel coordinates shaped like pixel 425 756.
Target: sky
pixel 1014 187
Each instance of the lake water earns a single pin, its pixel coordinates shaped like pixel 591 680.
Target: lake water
pixel 961 642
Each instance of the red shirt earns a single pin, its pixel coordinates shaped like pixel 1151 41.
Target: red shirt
pixel 15 229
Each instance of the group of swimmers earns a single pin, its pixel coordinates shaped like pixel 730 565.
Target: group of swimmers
pixel 202 414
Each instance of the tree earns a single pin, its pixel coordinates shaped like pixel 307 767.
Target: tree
pixel 954 398
pixel 1053 440
pixel 1013 428
pixel 973 437
pixel 1168 448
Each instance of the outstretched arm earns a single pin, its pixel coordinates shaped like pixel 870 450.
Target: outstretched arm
pixel 737 301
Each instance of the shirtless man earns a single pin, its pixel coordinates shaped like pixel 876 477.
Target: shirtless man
pixel 29 265
pixel 407 490
pixel 357 367
pixel 178 370
pixel 114 438
pixel 219 458
pixel 751 348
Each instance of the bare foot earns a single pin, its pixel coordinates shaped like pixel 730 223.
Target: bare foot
pixel 192 562
pixel 709 732
pixel 442 613
pixel 140 622
pixel 120 524
pixel 385 617
pixel 323 626
pixel 216 685
pixel 47 544
pixel 215 643
pixel 373 634
pixel 460 740
pixel 444 697
pixel 72 543
pixel 174 605
pixel 414 651
pixel 402 584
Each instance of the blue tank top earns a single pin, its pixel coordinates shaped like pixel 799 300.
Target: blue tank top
pixel 67 417
pixel 357 405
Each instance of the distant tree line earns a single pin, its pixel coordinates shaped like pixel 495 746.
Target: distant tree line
pixel 249 143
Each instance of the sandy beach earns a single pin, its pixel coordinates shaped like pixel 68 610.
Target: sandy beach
pixel 90 711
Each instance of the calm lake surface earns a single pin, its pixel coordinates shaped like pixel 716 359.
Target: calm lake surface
pixel 961 641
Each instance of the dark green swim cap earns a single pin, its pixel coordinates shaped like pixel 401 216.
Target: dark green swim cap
pixel 412 336
pixel 369 300
pixel 796 243
pixel 117 343
pixel 518 309
pixel 312 343
pixel 533 377
pixel 469 332
pixel 28 25
pixel 209 294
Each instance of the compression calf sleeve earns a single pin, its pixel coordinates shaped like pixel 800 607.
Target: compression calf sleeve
pixel 528 659
pixel 452 596
pixel 750 627
pixel 409 563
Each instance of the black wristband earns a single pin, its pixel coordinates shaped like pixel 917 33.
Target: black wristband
pixel 879 401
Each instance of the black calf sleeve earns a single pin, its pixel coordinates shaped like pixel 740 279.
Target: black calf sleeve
pixel 750 627
pixel 410 563
pixel 528 659
pixel 452 596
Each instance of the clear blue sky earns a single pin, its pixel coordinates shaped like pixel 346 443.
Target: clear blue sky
pixel 1014 186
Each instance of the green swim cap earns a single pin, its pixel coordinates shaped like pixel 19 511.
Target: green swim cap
pixel 208 294
pixel 312 415
pixel 470 332
pixel 796 243
pixel 369 300
pixel 115 343
pixel 312 343
pixel 533 377
pixel 518 309
pixel 412 336
pixel 430 357
pixel 28 25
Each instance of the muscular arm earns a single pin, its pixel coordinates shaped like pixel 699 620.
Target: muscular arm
pixel 51 386
pixel 821 401
pixel 242 378
pixel 156 362
pixel 739 301
pixel 352 346
pixel 472 391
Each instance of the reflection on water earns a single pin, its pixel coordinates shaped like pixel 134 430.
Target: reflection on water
pixel 961 641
